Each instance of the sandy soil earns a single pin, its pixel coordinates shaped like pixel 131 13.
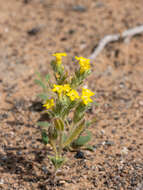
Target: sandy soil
pixel 31 30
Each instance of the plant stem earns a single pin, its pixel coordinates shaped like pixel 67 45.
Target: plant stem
pixel 54 147
pixel 60 143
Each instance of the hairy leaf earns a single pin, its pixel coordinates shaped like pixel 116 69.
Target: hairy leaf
pixel 81 140
pixel 45 138
pixel 59 124
pixel 43 124
pixel 39 82
pixel 47 77
pixel 75 133
pixel 57 162
pixel 89 147
pixel 43 96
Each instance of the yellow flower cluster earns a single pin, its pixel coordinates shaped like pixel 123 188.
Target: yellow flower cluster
pixel 49 103
pixel 73 94
pixel 84 64
pixel 59 57
pixel 86 94
pixel 66 89
pixel 61 88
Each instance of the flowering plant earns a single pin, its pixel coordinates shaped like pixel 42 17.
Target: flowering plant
pixel 66 107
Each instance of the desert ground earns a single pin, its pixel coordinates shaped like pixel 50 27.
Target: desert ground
pixel 31 31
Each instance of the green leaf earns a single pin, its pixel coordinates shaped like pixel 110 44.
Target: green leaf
pixel 43 124
pixel 58 109
pixel 38 75
pixel 74 134
pixel 78 117
pixel 89 147
pixel 45 138
pixel 81 140
pixel 88 123
pixel 57 162
pixel 79 112
pixel 59 124
pixel 52 133
pixel 47 77
pixel 39 82
pixel 64 137
pixel 54 66
pixel 43 96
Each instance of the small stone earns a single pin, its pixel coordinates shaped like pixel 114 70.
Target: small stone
pixel 33 31
pixel 113 131
pixel 4 158
pixel 99 5
pixel 63 39
pixel 71 31
pixel 26 1
pixel 122 85
pixel 79 155
pixel 124 151
pixel 6 30
pixel 141 103
pixel 1 181
pixel 79 8
pixel 83 46
pixel 3 116
pixel 102 131
pixel 109 143
pixel 116 63
pixel 45 170
pixel 62 182
pixel 19 153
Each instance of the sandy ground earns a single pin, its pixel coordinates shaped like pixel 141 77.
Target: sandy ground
pixel 31 30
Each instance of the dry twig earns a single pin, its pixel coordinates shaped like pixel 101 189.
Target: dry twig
pixel 115 37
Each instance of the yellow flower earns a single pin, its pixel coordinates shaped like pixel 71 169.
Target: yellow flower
pixel 84 64
pixel 49 104
pixel 58 89
pixel 73 94
pixel 59 57
pixel 86 94
pixel 61 88
pixel 66 88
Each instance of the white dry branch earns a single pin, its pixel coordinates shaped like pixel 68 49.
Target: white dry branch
pixel 115 37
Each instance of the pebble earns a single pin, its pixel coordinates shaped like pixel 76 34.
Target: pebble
pixel 71 31
pixel 79 155
pixel 62 182
pixel 4 158
pixel 83 46
pixel 3 116
pixel 102 131
pixel 45 170
pixel 19 153
pixel 113 131
pixel 79 8
pixel 124 150
pixel 141 103
pixel 99 5
pixel 108 143
pixel 33 31
pixel 1 181
pixel 6 30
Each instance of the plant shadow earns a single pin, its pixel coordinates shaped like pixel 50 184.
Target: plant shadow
pixel 24 168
